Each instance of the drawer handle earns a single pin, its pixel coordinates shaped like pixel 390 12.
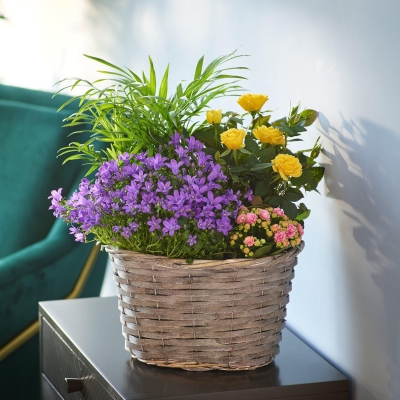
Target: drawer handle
pixel 74 385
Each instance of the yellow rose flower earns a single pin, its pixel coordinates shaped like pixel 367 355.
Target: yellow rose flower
pixel 287 165
pixel 233 138
pixel 252 102
pixel 214 116
pixel 269 135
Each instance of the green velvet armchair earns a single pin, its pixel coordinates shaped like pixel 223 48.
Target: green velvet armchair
pixel 39 259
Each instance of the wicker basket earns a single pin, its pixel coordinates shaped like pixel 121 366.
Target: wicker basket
pixel 224 315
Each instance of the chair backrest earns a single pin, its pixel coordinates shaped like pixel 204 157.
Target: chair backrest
pixel 31 132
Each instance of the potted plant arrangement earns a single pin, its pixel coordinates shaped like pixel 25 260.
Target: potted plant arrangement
pixel 201 217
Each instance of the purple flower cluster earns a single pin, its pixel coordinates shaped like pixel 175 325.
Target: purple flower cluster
pixel 178 191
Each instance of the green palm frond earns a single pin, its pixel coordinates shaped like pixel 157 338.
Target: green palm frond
pixel 132 114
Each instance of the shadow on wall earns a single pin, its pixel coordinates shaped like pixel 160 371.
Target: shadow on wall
pixel 365 177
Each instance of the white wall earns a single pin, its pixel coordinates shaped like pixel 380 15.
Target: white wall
pixel 339 57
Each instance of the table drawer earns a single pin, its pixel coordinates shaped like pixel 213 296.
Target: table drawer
pixel 59 362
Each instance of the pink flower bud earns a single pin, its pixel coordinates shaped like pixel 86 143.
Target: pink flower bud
pixel 249 241
pixel 251 218
pixel 264 214
pixel 280 236
pixel 279 211
pixel 241 218
pixel 291 231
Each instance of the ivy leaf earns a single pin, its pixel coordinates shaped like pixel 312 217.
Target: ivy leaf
pixel 302 180
pixel 263 251
pixel 318 173
pixel 261 121
pixel 303 215
pixel 309 116
pixel 207 137
pixel 261 189
pixel 267 154
pixel 293 194
pixel 252 146
pixel 273 201
pixel 289 208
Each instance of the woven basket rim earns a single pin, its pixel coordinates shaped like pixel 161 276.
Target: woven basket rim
pixel 201 263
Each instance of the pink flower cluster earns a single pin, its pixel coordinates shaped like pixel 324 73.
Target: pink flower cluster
pixel 261 227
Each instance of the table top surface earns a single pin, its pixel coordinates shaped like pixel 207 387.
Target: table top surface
pixel 92 328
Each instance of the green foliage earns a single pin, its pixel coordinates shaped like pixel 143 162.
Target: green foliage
pixel 132 114
pixel 251 167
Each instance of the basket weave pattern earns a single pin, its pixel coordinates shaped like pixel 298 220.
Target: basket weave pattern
pixel 208 315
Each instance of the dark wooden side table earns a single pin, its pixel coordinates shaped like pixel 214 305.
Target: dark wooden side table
pixel 81 340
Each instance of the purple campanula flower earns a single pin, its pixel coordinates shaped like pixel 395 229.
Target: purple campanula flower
pixel 154 223
pixel 126 233
pixel 116 228
pixel 202 158
pixel 170 226
pixel 181 152
pixel 163 187
pixel 193 144
pixel 145 207
pixel 208 212
pixel 148 185
pixel 157 161
pixel 214 201
pixel 125 157
pixel 226 213
pixel 192 240
pixel 80 237
pixel 174 166
pixel 141 156
pixel 249 195
pixel 134 226
pixel 175 139
pixel 73 230
pixel 183 211
pixel 223 225
pixel 175 201
pixel 56 195
pixel 130 170
pixel 202 224
pixel 139 176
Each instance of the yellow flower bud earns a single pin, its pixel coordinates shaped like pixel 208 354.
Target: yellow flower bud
pixel 247 226
pixel 287 166
pixel 251 254
pixel 246 250
pixel 269 233
pixel 257 243
pixel 252 102
pixel 269 135
pixel 232 242
pixel 233 138
pixel 214 116
pixel 264 224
